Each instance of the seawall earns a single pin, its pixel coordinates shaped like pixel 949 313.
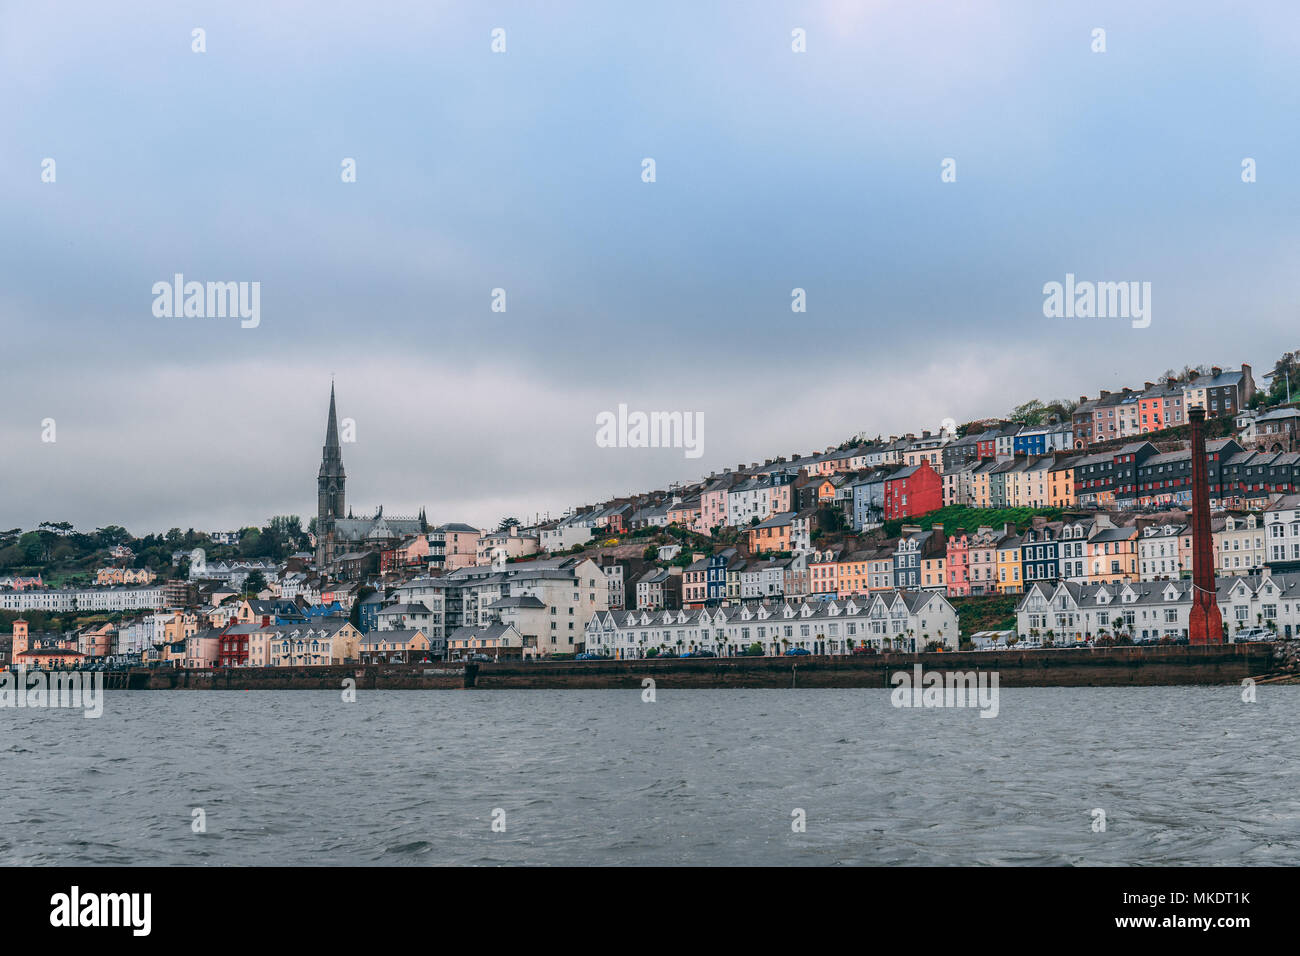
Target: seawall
pixel 1099 667
pixel 1096 667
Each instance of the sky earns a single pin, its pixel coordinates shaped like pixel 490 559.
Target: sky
pixel 522 170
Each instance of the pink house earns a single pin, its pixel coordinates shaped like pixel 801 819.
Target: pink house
pixel 782 498
pixel 713 504
pixel 958 564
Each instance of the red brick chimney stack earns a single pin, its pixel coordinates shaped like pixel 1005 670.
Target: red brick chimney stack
pixel 1206 624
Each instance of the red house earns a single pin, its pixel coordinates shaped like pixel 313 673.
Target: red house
pixel 913 491
pixel 232 645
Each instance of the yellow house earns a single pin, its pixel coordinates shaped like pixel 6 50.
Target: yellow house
pixel 498 641
pixel 1009 566
pixel 182 625
pixel 981 493
pixel 933 456
pixel 313 643
pixel 1027 483
pixel 934 571
pixel 394 647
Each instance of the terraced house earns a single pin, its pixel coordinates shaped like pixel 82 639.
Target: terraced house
pixel 1113 555
pixel 912 490
pixel 902 620
pixel 1239 546
pixel 1068 613
pixel 1040 552
pixel 1158 551
pixel 330 640
pixel 764 580
pixel 1008 565
pixel 957 566
pixel 772 534
pixel 1028 485
pixel 1220 393
pixel 1156 610
pixel 913 546
pixel 957 483
pixel 1060 483
pixel 394 647
pixel 1282 534
pixel 824 572
pixel 934 570
pixel 852 577
pixel 983 558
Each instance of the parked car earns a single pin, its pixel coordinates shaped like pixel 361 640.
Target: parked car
pixel 704 654
pixel 589 656
pixel 797 652
pixel 1253 634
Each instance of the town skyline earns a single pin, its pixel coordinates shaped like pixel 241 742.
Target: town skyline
pixel 368 507
pixel 665 461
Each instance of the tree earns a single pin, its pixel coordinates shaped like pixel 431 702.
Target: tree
pixel 255 583
pixel 1032 412
pixel 32 547
pixel 1062 409
pixel 651 552
pixel 505 524
pixel 250 543
pixel 111 535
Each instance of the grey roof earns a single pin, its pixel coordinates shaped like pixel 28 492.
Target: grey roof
pixel 1114 534
pixel 476 632
pixel 526 600
pixel 417 608
pixel 390 637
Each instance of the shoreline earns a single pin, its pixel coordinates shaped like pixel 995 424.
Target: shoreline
pixel 1095 667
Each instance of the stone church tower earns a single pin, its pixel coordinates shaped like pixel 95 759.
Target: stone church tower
pixel 329 489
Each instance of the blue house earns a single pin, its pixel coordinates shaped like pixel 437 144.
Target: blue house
pixel 715 578
pixel 869 501
pixel 368 615
pixel 1040 553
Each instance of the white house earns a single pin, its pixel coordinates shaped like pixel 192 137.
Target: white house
pixel 904 620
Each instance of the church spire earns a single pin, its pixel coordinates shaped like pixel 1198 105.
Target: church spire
pixel 332 426
pixel 330 484
pixel 331 459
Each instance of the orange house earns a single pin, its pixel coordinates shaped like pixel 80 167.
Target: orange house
pixel 1060 484
pixel 45 658
pixel 853 574
pixel 772 534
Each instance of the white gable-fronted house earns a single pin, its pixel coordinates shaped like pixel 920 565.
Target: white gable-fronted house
pixel 902 620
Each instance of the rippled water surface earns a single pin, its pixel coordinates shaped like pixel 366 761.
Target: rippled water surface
pixel 1184 775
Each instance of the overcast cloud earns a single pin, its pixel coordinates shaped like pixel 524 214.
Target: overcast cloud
pixel 522 171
